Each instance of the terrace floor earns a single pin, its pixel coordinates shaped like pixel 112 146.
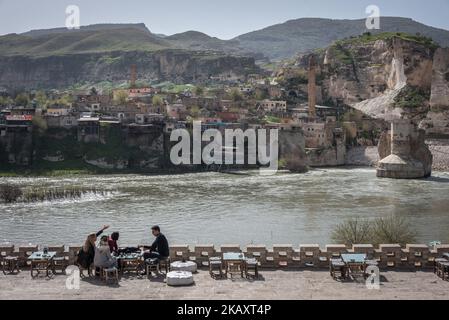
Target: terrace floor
pixel 272 285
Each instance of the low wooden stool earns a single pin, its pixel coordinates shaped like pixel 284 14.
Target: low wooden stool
pixel 251 264
pixel 216 263
pixel 337 266
pixel 99 272
pixel 165 263
pixel 436 264
pixel 59 263
pixel 443 270
pixel 151 265
pixel 10 264
pixel 110 274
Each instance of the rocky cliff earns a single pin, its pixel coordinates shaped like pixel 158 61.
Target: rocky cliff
pixel 437 120
pixel 359 69
pixel 62 71
pixel 385 76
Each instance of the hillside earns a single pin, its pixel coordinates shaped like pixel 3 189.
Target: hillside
pixel 194 40
pixel 92 27
pixel 61 58
pixel 104 52
pixel 86 40
pixel 276 42
pixel 286 39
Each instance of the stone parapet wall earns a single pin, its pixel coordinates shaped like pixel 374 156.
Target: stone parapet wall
pixel 283 256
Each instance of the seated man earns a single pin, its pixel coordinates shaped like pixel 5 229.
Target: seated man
pixel 159 250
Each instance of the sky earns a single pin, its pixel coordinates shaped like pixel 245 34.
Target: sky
pixel 224 19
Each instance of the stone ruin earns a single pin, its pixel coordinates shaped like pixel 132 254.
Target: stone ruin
pixel 403 152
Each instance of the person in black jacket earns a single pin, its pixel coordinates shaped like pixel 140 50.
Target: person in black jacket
pixel 159 249
pixel 87 253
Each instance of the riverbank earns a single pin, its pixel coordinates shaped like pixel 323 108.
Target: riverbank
pixel 441 165
pixel 65 170
pixel 272 285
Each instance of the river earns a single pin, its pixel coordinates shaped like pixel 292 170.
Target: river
pixel 217 208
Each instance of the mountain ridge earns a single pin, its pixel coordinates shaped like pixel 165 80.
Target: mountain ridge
pixel 276 42
pixel 306 34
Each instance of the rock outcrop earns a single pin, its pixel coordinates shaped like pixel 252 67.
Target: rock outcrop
pixel 437 120
pixel 440 80
pixel 358 69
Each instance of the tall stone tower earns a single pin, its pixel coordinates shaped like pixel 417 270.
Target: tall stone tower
pixel 133 76
pixel 312 87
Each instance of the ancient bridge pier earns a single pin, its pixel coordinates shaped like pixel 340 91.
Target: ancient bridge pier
pixel 410 157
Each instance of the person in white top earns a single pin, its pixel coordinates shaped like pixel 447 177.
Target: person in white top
pixel 103 257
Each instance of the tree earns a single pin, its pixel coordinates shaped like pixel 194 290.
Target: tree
pixel 352 231
pixel 194 112
pixel 40 124
pixel 157 101
pixel 66 100
pixel 261 94
pixel 393 229
pixel 236 95
pixel 42 100
pixel 198 91
pixel 121 98
pixel 93 91
pixel 5 101
pixel 22 99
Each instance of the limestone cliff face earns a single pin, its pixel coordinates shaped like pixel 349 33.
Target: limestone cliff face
pixel 354 70
pixel 440 80
pixel 437 120
pixel 16 148
pixel 387 77
pixel 62 71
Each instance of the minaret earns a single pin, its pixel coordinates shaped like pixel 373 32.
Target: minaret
pixel 312 87
pixel 133 76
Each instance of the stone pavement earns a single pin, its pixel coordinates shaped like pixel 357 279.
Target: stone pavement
pixel 272 285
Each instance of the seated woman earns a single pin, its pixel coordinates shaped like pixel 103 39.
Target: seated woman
pixel 103 257
pixel 86 255
pixel 112 241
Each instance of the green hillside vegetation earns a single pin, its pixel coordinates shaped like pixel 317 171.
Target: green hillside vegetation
pixel 369 37
pixel 129 39
pixel 194 40
pixel 412 97
pixel 110 38
pixel 342 51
